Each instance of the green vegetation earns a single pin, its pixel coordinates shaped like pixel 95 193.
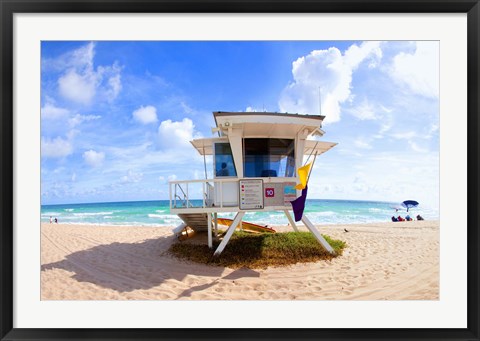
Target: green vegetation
pixel 260 250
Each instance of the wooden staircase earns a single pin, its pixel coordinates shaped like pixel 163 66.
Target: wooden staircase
pixel 196 221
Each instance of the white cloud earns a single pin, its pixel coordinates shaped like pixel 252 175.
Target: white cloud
pixel 77 119
pixel 93 158
pixel 72 133
pixel 385 109
pixel 187 109
pixel 363 111
pixel 145 115
pixel 56 148
pixel 114 84
pixel 386 125
pixel 252 109
pixel 149 159
pixel 369 50
pixel 386 120
pixel 362 143
pixel 404 136
pixel 83 56
pixel 387 176
pixel 80 81
pixel 197 175
pixel 326 74
pixel 132 177
pixel 56 190
pixel 419 70
pixel 412 140
pixel 434 128
pixel 415 147
pixel 79 58
pixel 51 112
pixel 177 134
pixel 78 88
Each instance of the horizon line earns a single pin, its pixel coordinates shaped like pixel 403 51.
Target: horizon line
pixel 153 200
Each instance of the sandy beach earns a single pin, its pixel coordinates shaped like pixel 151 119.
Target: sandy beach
pixel 383 261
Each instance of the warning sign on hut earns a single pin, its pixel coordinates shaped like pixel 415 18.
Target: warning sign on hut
pixel 251 194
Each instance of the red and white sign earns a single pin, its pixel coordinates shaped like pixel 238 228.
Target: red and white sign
pixel 269 192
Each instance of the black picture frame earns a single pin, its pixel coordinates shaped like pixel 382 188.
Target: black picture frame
pixel 9 7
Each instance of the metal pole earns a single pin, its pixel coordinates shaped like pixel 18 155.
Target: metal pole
pixel 311 168
pixel 205 163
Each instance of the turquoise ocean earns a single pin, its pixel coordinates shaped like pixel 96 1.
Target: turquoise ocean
pixel 157 213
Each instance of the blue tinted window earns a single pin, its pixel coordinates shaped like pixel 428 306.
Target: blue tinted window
pixel 269 157
pixel 224 165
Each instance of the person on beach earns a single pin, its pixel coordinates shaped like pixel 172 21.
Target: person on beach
pixel 400 218
pixel 419 217
pixel 394 219
pixel 407 218
pixel 56 220
pixel 51 219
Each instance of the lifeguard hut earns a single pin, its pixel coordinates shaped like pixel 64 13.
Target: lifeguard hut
pixel 255 160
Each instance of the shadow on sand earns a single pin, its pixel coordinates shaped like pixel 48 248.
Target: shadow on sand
pixel 125 267
pixel 237 274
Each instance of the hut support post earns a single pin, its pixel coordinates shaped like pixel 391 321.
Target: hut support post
pixel 228 235
pixel 291 220
pixel 209 226
pixel 177 231
pixel 317 234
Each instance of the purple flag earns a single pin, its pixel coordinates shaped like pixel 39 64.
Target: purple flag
pixel 298 205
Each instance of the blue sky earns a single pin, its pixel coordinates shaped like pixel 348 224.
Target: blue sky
pixel 116 117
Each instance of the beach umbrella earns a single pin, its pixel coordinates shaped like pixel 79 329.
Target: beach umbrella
pixel 409 204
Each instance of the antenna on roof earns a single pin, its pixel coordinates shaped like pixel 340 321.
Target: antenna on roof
pixel 320 100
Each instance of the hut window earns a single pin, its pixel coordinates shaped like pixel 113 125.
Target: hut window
pixel 224 165
pixel 269 157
